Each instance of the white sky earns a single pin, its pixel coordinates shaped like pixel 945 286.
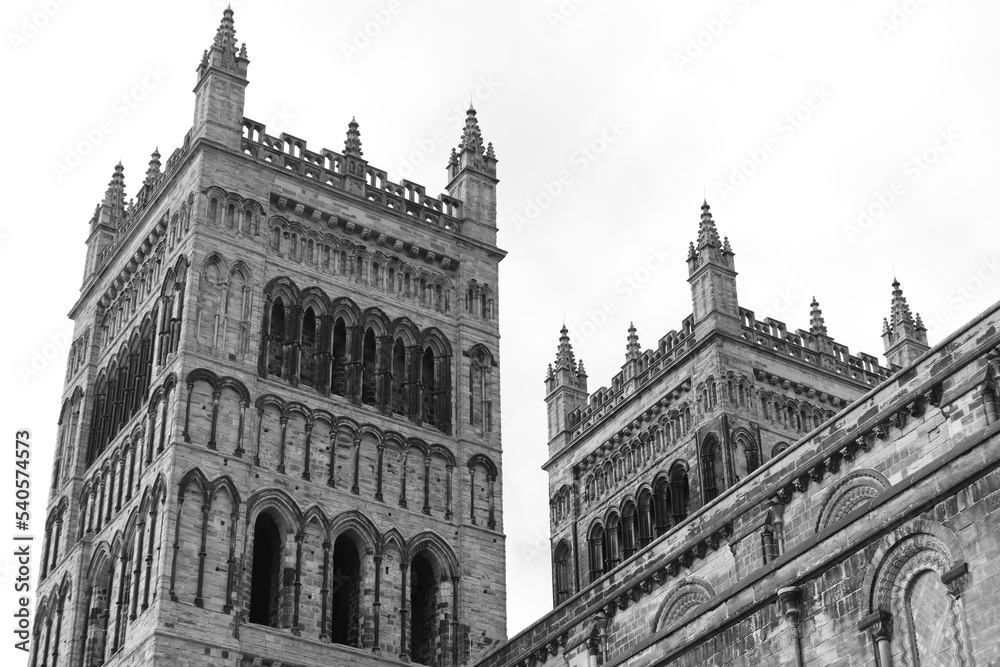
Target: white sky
pixel 886 80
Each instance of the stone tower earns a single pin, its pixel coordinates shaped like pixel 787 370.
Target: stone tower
pixel 280 435
pixel 684 422
pixel 904 335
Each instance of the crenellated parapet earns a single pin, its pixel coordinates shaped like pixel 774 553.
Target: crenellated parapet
pixel 349 172
pixel 815 349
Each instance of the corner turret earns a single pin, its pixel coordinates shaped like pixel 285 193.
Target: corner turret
pixel 108 215
pixel 565 391
pixel 221 88
pixel 712 276
pixel 904 336
pixel 472 177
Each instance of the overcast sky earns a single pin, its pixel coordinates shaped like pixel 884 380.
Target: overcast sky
pixel 611 121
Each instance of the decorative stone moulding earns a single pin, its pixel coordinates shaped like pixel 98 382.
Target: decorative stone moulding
pixel 862 441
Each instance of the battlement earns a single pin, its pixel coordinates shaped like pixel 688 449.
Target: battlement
pixel 817 349
pixel 352 174
pixel 634 375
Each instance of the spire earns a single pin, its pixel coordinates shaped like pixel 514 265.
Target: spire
pixel 632 349
pixel 816 323
pixel 225 53
pixel 114 197
pixel 564 353
pixel 225 36
pixel 904 336
pixel 472 138
pixel 899 312
pixel 707 233
pixel 153 172
pixel 352 145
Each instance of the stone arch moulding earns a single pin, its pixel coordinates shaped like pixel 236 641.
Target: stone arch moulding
pixel 913 550
pixel 858 488
pixel 684 597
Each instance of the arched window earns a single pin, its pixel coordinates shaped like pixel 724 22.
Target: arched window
pixel 369 368
pixel 644 518
pixel 680 494
pixel 276 339
pixel 310 335
pixel 711 469
pixel 480 393
pixel 98 605
pixel 746 455
pixel 612 542
pixel 596 551
pixel 265 579
pixel 338 377
pixel 347 603
pixel 428 386
pixel 561 565
pixel 661 506
pixel 400 386
pixel 424 594
pixel 628 530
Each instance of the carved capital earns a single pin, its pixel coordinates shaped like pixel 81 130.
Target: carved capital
pixel 956 579
pixel 879 625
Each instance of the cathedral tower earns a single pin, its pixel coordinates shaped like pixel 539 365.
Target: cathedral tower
pixel 904 336
pixel 280 441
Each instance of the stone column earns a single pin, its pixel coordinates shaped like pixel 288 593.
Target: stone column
pixel 879 626
pixel 202 554
pixel 378 479
pixel 325 593
pixel 215 418
pixel 472 495
pixel 281 446
pixel 427 485
pixel 491 521
pixel 239 430
pixel 404 612
pixel 187 412
pixel 448 512
pixel 308 453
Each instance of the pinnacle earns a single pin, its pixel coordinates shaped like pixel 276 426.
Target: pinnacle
pixel 564 352
pixel 632 348
pixel 707 233
pixel 899 311
pixel 472 137
pixel 352 145
pixel 817 325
